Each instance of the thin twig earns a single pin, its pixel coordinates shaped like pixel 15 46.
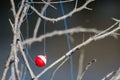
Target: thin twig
pixel 21 7
pixel 62 32
pixel 108 75
pixel 23 14
pixel 18 45
pixel 116 76
pixel 116 20
pixel 49 4
pixel 25 60
pixel 87 67
pixel 80 67
pixel 84 6
pixel 55 2
pixel 103 32
pixel 16 36
pixel 12 77
pixel 13 8
pixel 39 19
pixel 77 48
pixel 108 33
pixel 59 33
pixel 11 24
pixel 53 74
pixel 16 66
pixel 7 64
pixel 76 4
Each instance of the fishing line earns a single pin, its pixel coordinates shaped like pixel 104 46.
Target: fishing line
pixel 27 32
pixel 26 46
pixel 44 34
pixel 68 41
pixel 28 13
pixel 27 36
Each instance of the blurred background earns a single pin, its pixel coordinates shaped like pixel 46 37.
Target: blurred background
pixel 106 51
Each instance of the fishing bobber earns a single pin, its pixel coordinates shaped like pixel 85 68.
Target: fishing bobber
pixel 40 60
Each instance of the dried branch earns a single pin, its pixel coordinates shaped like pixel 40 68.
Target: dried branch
pixel 80 67
pixel 110 28
pixel 49 4
pixel 76 4
pixel 12 77
pixel 23 14
pixel 39 19
pixel 65 16
pixel 116 20
pixel 53 74
pixel 55 2
pixel 94 38
pixel 7 65
pixel 86 68
pixel 108 75
pixel 20 9
pixel 13 7
pixel 18 45
pixel 16 66
pixel 25 59
pixel 108 33
pixel 63 32
pixel 116 76
pixel 11 24
pixel 59 33
pixel 16 35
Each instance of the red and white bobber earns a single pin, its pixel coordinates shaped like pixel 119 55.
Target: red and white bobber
pixel 41 60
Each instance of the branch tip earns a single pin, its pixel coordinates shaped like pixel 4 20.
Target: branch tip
pixel 92 61
pixel 88 8
pixel 116 20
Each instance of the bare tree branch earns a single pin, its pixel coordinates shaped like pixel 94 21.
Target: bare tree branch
pixel 25 59
pixel 13 7
pixel 108 75
pixel 63 32
pixel 53 74
pixel 7 64
pixel 116 76
pixel 59 33
pixel 55 2
pixel 86 68
pixel 16 35
pixel 49 4
pixel 94 38
pixel 18 45
pixel 12 77
pixel 39 19
pixel 80 67
pixel 65 16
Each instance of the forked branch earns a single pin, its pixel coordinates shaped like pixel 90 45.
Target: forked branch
pixel 65 16
pixel 94 38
